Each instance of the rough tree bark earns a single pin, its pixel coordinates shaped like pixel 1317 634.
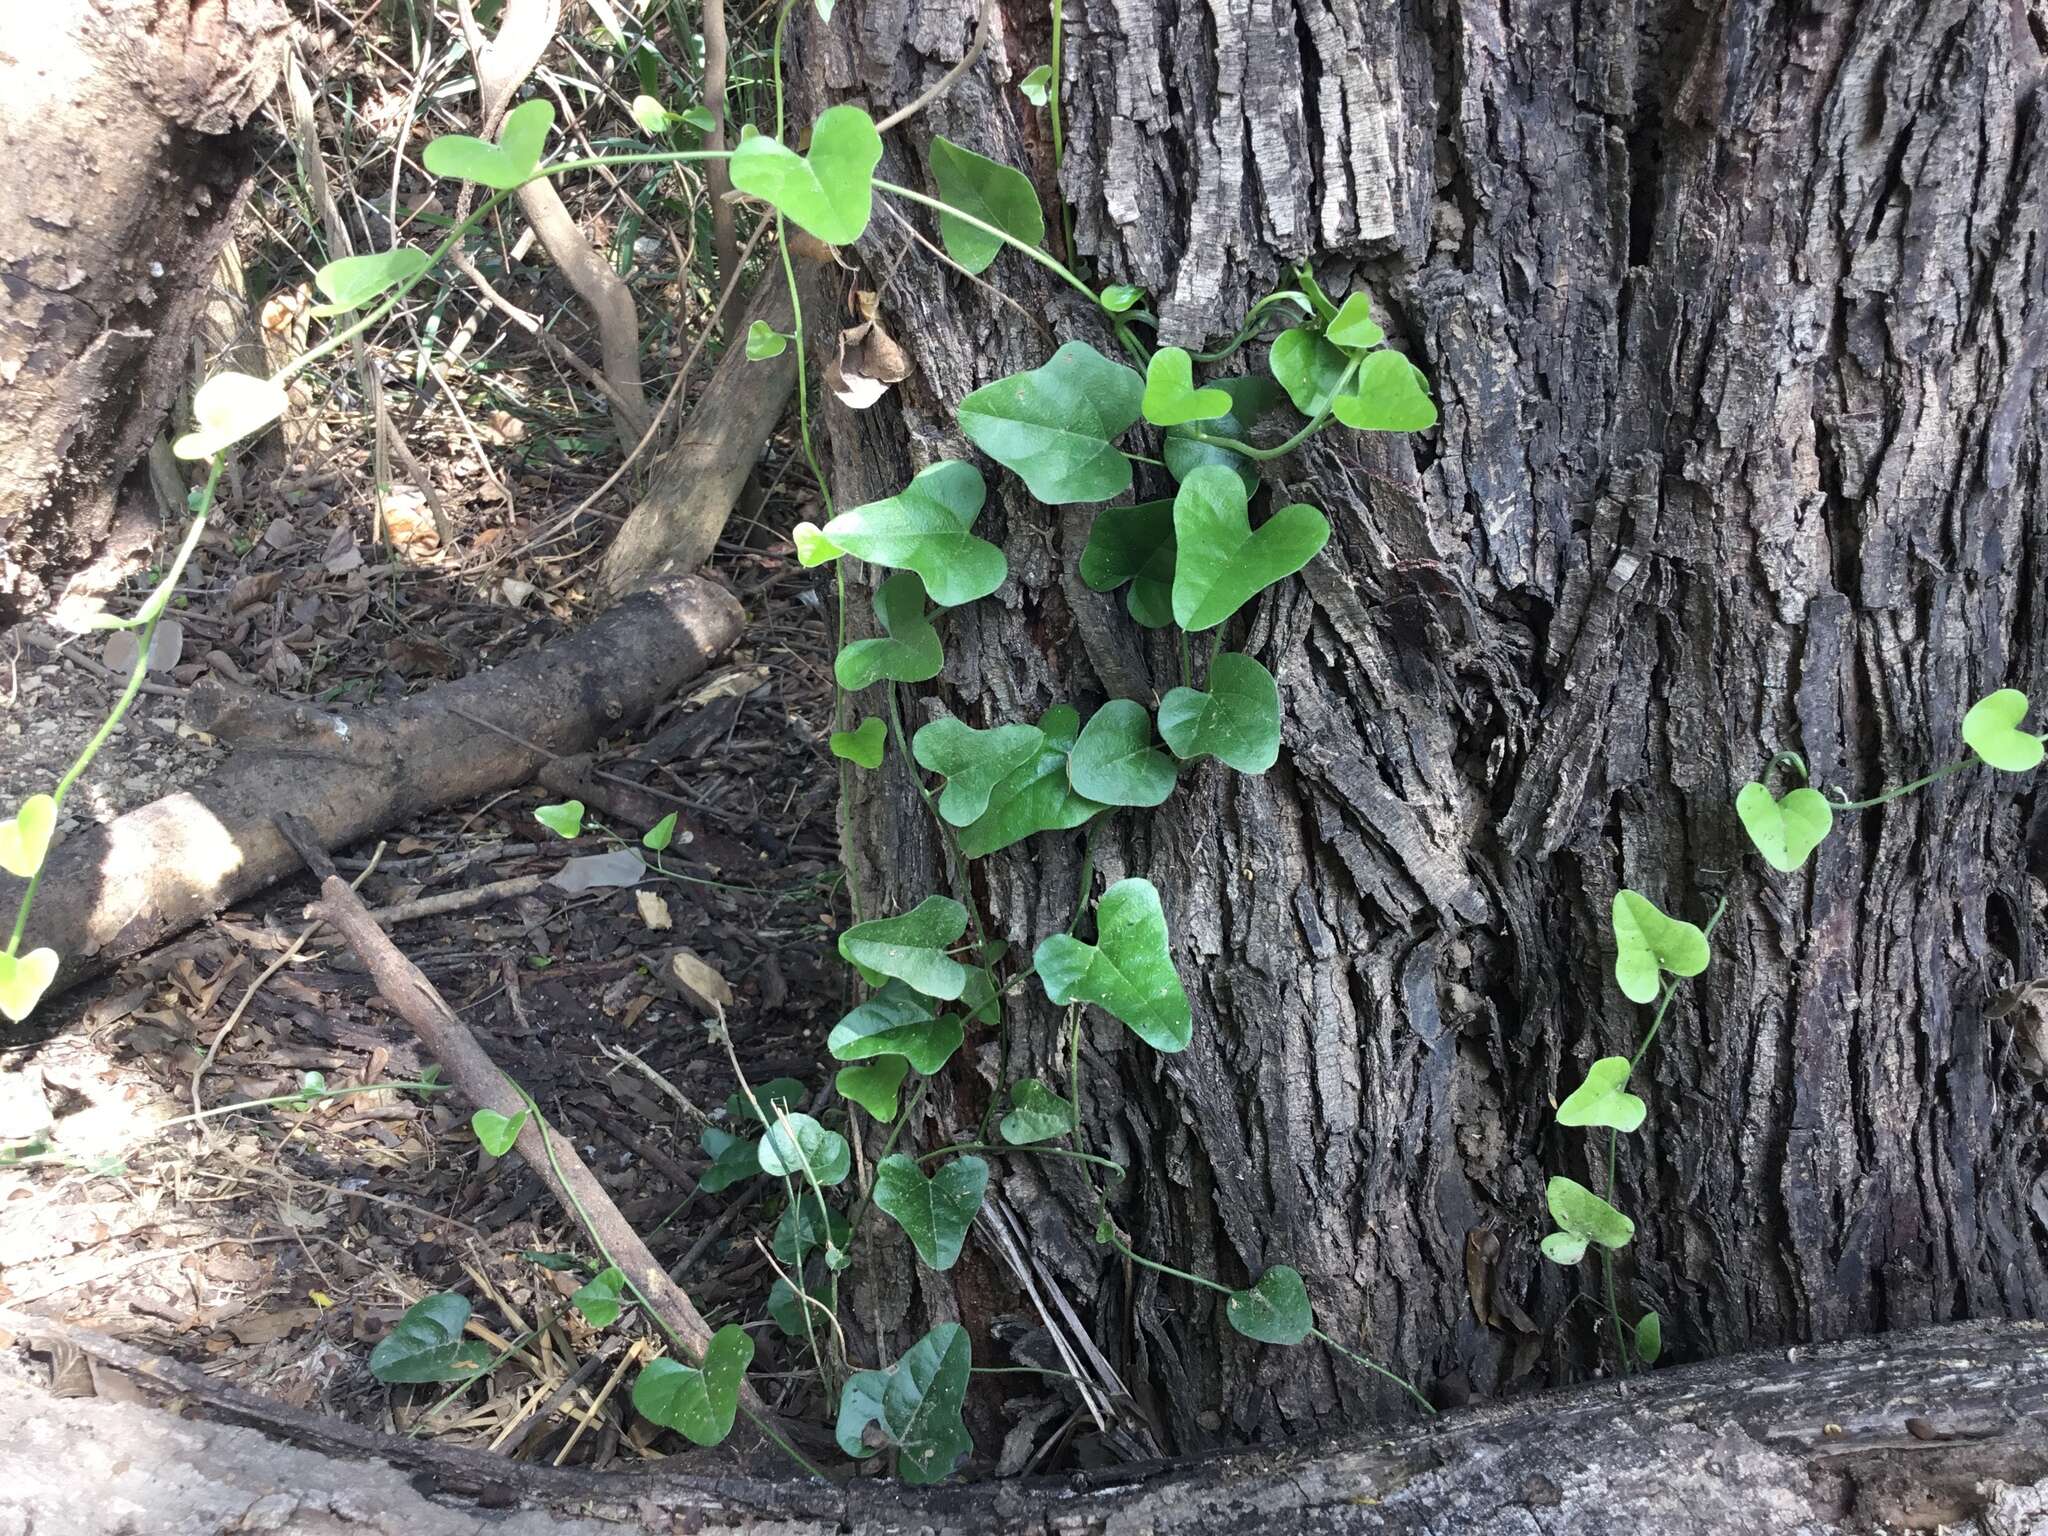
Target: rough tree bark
pixel 1734 314
pixel 126 166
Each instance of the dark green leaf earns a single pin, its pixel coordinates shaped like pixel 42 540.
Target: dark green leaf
pixel 916 1404
pixel 786 1092
pixel 912 947
pixel 1055 425
pixel 1115 762
pixel 1128 971
pixel 428 1344
pixel 1035 797
pixel 805 1225
pixel 1237 721
pixel 733 1158
pixel 864 744
pixel 1307 367
pixel 874 1086
pixel 896 1021
pixel 598 1300
pixel 993 193
pixel 1275 1311
pixel 1220 562
pixel 925 528
pixel 1135 545
pixel 700 1404
pixel 1036 1114
pixel 937 1211
pixel 974 762
pixel 1251 398
pixel 910 652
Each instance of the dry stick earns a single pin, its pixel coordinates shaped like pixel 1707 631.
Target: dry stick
pixel 553 1159
pixel 457 901
pixel 718 176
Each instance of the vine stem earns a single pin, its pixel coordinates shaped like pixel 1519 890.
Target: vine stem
pixel 1281 450
pixel 1045 259
pixel 989 1146
pixel 1946 771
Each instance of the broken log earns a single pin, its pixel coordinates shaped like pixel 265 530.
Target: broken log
pixel 116 890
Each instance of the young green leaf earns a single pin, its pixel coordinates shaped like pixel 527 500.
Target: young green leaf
pixel 812 547
pixel 428 1344
pixel 1275 1311
pixel 1563 1247
pixel 1220 563
pixel 500 166
pixel 495 1131
pixel 1251 398
pixel 1056 425
pixel 1114 760
pixel 874 1086
pixel 1135 545
pixel 806 1224
pixel 797 1142
pixel 598 1299
pixel 1603 1098
pixel 1582 1213
pixel 925 528
pixel 657 837
pixel 1784 831
pixel 1991 730
pixel 764 342
pixel 1127 971
pixel 1649 1337
pixel 937 1211
pixel 1237 721
pixel 896 1021
pixel 1308 367
pixel 973 762
pixel 1036 86
pixel 733 1158
pixel 353 281
pixel 1646 941
pixel 1170 395
pixel 1036 1114
pixel 1353 328
pixel 564 819
pixel 1390 394
pixel 829 192
pixel 908 650
pixel 1120 298
pixel 650 115
pixel 996 194
pixel 25 836
pixel 863 744
pixel 698 1403
pixel 1035 797
pixel 915 1405
pixel 228 408
pixel 912 947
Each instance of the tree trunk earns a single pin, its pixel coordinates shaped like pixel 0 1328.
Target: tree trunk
pixel 126 167
pixel 1734 317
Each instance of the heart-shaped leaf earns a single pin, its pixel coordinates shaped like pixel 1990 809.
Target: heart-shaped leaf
pixel 1390 394
pixel 1056 425
pixel 992 192
pixel 912 947
pixel 1649 1337
pixel 1120 298
pixel 1563 1247
pixel 1114 760
pixel 915 1404
pixel 874 1086
pixel 23 981
pixel 805 1225
pixel 495 1131
pixel 910 652
pixel 428 1344
pixel 924 528
pixel 1582 1213
pixel 787 1307
pixel 1127 971
pixel 598 1300
pixel 896 1021
pixel 797 1142
pixel 973 762
pixel 1135 545
pixel 733 1158
pixel 1237 721
pixel 1603 1098
pixel 1784 831
pixel 937 1211
pixel 228 408
pixel 1035 797
pixel 1036 85
pixel 564 820
pixel 1170 395
pixel 25 836
pixel 657 837
pixel 1036 1114
pixel 863 744
pixel 699 1404
pixel 1646 941
pixel 1308 367
pixel 649 114
pixel 1220 563
pixel 1275 1311
pixel 812 547
pixel 1353 327
pixel 830 192
pixel 764 342
pixel 1991 730
pixel 502 165
pixel 1250 399
pixel 353 281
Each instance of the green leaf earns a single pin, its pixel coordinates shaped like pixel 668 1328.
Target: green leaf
pixel 785 1307
pixel 1646 941
pixel 1120 298
pixel 1563 1247
pixel 1055 425
pixel 1353 328
pixel 1390 394
pixel 916 1404
pixel 812 547
pixel 1784 831
pixel 355 280
pixel 1308 367
pixel 1237 721
pixel 25 836
pixel 1135 545
pixel 1127 971
pixel 764 342
pixel 698 1403
pixel 829 192
pixel 806 1224
pixel 863 744
pixel 733 1158
pixel 909 654
pixel 228 408
pixel 598 1299
pixel 1649 1337
pixel 1582 1213
pixel 935 1211
pixel 912 947
pixel 1991 731
pixel 428 1344
pixel 1114 760
pixel 502 165
pixel 1035 797
pixel 1170 394
pixel 556 1263
pixel 1251 398
pixel 650 115
pixel 896 1021
pixel 1220 563
pixel 1036 1114
pixel 1603 1098
pixel 776 1093
pixel 973 762
pixel 564 820
pixel 495 1131
pixel 874 1086
pixel 996 194
pixel 1275 1311
pixel 797 1142
pixel 661 834
pixel 1036 85
pixel 925 528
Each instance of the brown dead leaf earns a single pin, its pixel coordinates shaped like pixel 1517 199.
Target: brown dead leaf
pixel 653 910
pixel 869 362
pixel 700 981
pixel 251 590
